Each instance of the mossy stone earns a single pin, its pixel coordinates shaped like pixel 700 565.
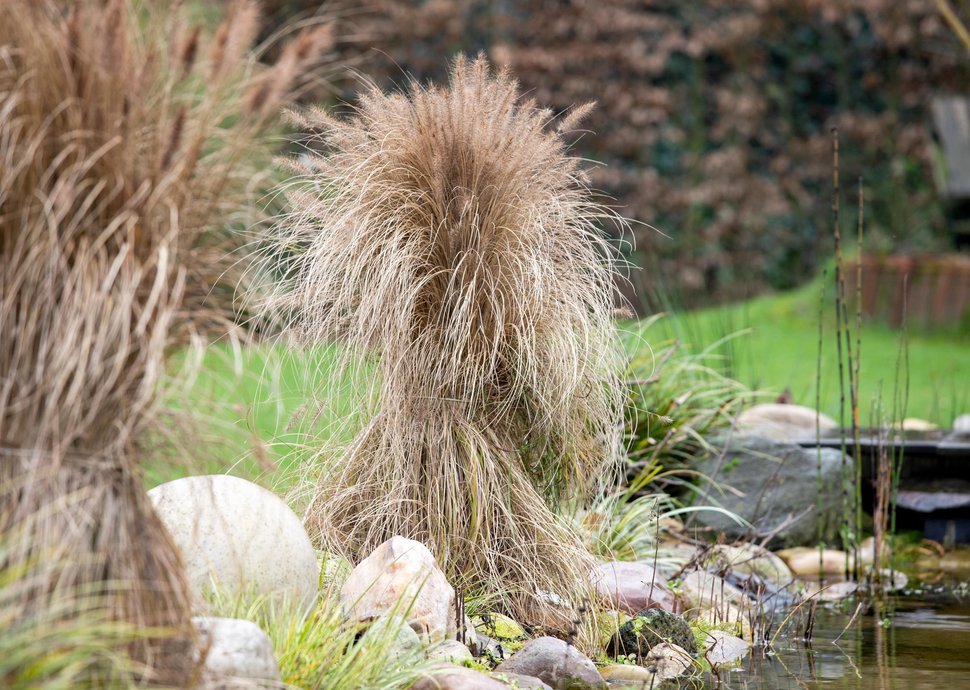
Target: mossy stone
pixel 501 629
pixel 649 628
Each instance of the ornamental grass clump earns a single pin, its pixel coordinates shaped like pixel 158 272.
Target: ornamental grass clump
pixel 125 141
pixel 448 241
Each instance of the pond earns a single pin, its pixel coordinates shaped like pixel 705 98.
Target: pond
pixel 917 640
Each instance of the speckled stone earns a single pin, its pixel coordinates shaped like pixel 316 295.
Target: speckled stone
pixel 235 649
pixel 238 535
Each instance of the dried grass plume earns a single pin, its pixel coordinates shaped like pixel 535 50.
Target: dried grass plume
pixel 449 242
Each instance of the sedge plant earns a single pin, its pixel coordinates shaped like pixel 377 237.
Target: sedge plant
pixel 446 239
pixel 678 399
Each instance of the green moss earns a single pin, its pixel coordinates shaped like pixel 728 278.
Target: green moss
pixel 476 665
pixel 502 629
pixel 648 629
pixel 700 630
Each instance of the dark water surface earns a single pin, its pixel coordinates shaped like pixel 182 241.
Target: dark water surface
pixel 919 640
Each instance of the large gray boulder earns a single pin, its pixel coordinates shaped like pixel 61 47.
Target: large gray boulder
pixel 238 536
pixel 769 483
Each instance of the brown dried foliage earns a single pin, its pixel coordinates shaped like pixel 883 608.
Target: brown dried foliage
pixel 124 153
pixel 450 240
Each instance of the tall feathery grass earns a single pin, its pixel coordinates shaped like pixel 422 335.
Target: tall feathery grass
pixel 446 238
pixel 123 156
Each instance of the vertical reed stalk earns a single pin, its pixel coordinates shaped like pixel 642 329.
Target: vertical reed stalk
pixel 847 539
pixel 818 428
pixel 900 403
pixel 855 379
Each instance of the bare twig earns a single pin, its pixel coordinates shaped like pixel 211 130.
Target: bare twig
pixel 851 621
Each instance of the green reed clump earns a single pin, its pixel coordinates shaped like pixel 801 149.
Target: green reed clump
pixel 678 399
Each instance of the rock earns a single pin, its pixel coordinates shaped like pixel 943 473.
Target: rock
pixel 775 483
pixel 915 424
pixel 638 678
pixel 498 636
pixel 724 649
pixel 492 650
pixel 961 425
pixel 500 628
pixel 648 629
pixel 701 590
pixel 729 618
pixel 520 681
pixel 632 587
pixel 667 660
pixel 234 650
pixel 469 636
pixel 452 677
pixel 449 650
pixel 402 575
pixel 620 674
pixel 783 422
pixel 554 662
pixel 836 591
pixel 676 555
pixel 804 561
pixel 240 536
pixel 749 559
pixel 956 561
pixel 395 638
pixel 892 580
pixel 553 614
pixel 931 495
pixel 334 569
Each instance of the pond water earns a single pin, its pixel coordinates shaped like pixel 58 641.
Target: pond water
pixel 919 640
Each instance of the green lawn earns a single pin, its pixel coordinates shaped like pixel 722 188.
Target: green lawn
pixel 775 346
pixel 247 409
pixel 246 404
